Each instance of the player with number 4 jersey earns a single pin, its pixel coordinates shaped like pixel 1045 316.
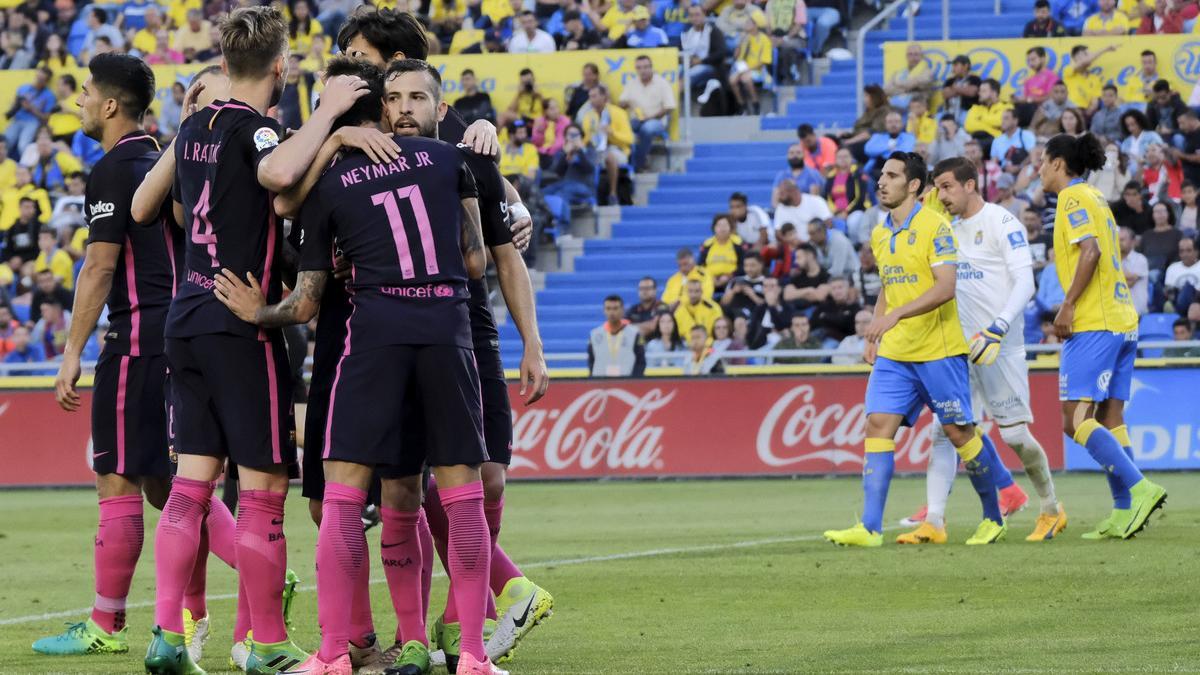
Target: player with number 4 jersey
pixel 1098 324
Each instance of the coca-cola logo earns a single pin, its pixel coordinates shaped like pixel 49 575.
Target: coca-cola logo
pixel 797 430
pixel 606 428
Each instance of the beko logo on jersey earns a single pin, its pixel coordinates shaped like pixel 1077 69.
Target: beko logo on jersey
pixel 100 210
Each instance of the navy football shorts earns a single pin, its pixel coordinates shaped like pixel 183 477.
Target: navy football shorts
pixel 129 416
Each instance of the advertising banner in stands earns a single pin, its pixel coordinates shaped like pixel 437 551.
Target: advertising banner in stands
pixel 498 74
pixel 651 427
pixel 1004 60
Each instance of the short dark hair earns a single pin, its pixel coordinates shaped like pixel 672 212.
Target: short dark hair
pixel 1187 184
pixel 1149 52
pixel 807 247
pixel 1161 85
pixel 914 167
pixel 960 167
pixel 1132 185
pixel 614 297
pixel 125 78
pixel 368 108
pixel 1078 48
pixel 650 279
pixel 466 72
pixel 592 67
pixel 684 253
pixel 963 59
pixel 387 31
pixel 1109 87
pixel 401 66
pixel 752 255
pixel 46 229
pixel 804 131
pixel 642 57
pixel 1039 50
pixel 526 71
pixel 22 200
pixel 251 39
pixel 214 69
pixel 787 228
pixel 718 218
pixel 527 13
pixel 105 39
pixel 993 83
pixel 100 14
pixel 739 197
pixel 69 80
pixel 699 327
pixel 1041 4
pixel 1182 321
pixel 948 117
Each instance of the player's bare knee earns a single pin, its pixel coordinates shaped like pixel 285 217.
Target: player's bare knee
pixel 348 473
pixel 882 426
pixel 199 467
pixel 494 478
pixel 115 485
pixel 959 434
pixel 1111 413
pixel 456 476
pixel 271 478
pixel 401 494
pixel 156 490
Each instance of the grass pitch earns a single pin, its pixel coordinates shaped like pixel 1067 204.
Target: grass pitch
pixel 717 577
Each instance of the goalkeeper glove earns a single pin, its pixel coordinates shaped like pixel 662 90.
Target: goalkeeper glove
pixel 985 345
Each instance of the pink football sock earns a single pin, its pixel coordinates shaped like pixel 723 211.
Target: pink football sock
pixel 400 549
pixel 194 599
pixel 503 569
pixel 470 549
pixel 222 532
pixel 175 545
pixel 362 623
pixel 427 554
pixel 241 624
pixel 435 516
pixel 117 548
pixel 262 561
pixel 341 549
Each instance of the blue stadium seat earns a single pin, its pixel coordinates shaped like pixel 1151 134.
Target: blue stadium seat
pixel 1156 327
pixel 21 312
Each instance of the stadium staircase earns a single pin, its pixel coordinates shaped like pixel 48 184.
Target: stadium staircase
pixel 608 251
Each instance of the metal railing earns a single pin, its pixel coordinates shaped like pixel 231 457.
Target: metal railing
pixel 51 367
pixel 884 14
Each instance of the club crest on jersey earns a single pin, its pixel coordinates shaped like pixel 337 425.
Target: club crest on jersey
pixel 943 245
pixel 979 237
pixel 265 138
pixel 1078 218
pixel 912 238
pixel 1016 240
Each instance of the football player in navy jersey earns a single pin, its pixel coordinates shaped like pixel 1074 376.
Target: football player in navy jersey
pixel 412 251
pixel 230 380
pixel 132 266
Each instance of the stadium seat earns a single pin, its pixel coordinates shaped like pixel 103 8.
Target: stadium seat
pixel 21 312
pixel 1158 326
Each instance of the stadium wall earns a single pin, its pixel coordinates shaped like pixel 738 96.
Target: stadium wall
pixel 665 427
pixel 1004 60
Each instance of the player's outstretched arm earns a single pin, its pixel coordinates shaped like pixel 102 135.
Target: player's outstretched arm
pixel 473 252
pixel 155 188
pixel 91 292
pixel 1089 256
pixel 380 147
pixel 287 163
pixel 518 295
pixel 247 302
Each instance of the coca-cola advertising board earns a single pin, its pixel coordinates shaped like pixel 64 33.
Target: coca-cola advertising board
pixel 745 426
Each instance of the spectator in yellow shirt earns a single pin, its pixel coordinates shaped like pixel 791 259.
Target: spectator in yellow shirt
pixel 696 310
pixel 527 104
pixel 58 60
pixel 754 53
pixel 518 155
pixel 721 254
pixel 447 17
pixel 688 271
pixel 618 19
pixel 178 11
pixel 8 168
pixel 194 35
pixel 984 117
pixel 1083 86
pixel 920 124
pixel 497 11
pixel 1108 21
pixel 65 121
pixel 51 257
pixel 145 41
pixel 607 130
pixel 10 199
pixel 302 27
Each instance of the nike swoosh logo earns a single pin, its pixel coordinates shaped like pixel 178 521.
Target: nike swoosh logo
pixel 382 545
pixel 277 521
pixel 100 454
pixel 520 623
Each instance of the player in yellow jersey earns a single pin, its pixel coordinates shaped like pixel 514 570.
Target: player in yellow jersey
pixel 1098 325
pixel 916 345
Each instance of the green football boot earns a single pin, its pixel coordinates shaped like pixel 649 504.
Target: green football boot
pixel 82 638
pixel 168 655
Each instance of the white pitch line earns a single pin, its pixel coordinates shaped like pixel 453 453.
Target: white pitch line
pixel 655 552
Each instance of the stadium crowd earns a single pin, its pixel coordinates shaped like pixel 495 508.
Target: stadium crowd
pixel 798 273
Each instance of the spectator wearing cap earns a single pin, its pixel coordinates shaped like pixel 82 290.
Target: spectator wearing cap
pixel 705 48
pixel 1043 25
pixel 820 152
pixel 642 35
pixel 650 102
pixel 687 271
pixel 808 179
pixel 1012 145
pixel 960 91
pixel 518 156
pixel 750 60
pixel 892 139
pixel 30 109
pixel 529 39
pixel 618 18
pixel 644 315
pixel 721 254
pixel 606 129
pixel 833 250
pixel 527 103
pixel 914 79
pixel 572 165
pixel 576 34
pixel 615 346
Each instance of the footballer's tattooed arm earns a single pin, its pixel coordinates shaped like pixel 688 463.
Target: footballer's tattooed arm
pixel 473 251
pixel 246 300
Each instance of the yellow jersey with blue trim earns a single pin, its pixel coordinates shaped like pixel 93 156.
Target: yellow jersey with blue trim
pixel 907 254
pixel 1105 304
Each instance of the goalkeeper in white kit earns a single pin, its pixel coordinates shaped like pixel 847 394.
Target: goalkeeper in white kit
pixel 995 283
